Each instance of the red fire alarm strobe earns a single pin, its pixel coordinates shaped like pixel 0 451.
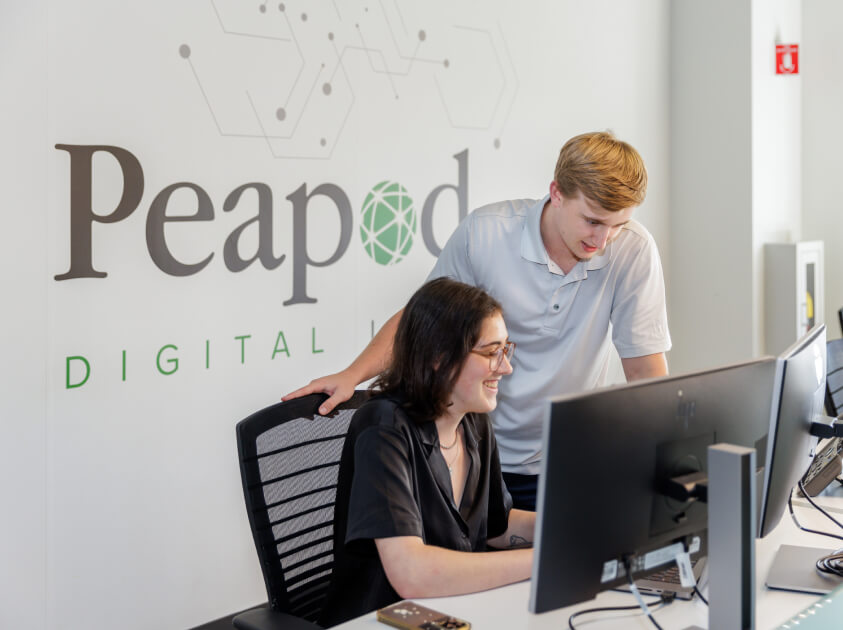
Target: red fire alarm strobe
pixel 787 58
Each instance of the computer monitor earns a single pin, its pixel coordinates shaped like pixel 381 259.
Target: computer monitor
pixel 798 399
pixel 608 456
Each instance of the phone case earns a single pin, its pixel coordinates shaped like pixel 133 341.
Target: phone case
pixel 411 616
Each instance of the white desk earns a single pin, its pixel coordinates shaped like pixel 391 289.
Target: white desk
pixel 506 607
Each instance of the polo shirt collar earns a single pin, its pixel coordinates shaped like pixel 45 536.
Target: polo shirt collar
pixel 532 247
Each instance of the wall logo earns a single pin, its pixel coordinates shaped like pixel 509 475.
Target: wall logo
pixel 389 223
pixel 388 229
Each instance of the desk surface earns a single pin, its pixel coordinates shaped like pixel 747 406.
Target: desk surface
pixel 506 607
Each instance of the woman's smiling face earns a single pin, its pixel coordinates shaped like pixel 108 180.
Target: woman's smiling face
pixel 476 388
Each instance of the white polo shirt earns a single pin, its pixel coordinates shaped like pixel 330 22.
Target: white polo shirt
pixel 562 323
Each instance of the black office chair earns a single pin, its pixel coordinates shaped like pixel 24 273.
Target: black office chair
pixel 834 377
pixel 289 463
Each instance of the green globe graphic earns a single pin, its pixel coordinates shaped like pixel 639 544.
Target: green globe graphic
pixel 389 223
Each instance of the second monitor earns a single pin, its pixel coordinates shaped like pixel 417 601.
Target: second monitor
pixel 610 455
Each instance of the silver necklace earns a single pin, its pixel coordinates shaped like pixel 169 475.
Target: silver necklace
pixel 454 443
pixel 456 457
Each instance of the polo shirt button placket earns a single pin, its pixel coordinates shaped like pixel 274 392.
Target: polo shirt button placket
pixel 553 314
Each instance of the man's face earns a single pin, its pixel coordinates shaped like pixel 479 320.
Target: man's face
pixel 576 228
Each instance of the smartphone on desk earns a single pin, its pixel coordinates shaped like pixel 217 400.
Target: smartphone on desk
pixel 411 616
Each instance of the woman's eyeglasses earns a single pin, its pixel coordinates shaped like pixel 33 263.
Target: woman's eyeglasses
pixel 496 356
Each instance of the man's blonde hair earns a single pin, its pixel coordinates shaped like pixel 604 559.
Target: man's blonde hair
pixel 604 169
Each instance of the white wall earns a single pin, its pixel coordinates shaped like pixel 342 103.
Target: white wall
pixel 23 333
pixel 822 128
pixel 711 278
pixel 735 178
pixel 132 511
pixel 776 145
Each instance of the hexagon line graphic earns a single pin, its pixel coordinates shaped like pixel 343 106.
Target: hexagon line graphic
pixel 380 60
pixel 500 95
pixel 256 36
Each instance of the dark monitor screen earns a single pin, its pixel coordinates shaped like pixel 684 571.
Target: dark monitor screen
pixel 606 456
pixel 798 399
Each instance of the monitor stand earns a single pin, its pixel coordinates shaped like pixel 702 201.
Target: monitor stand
pixel 731 537
pixel 794 569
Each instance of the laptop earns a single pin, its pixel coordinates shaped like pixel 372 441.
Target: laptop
pixel 666 581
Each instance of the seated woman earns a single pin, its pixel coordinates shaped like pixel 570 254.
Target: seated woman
pixel 420 493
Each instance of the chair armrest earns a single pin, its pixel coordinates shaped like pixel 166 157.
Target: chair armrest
pixel 267 619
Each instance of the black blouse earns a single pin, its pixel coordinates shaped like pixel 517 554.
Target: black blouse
pixel 395 482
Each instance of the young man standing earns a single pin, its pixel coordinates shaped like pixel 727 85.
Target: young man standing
pixel 574 273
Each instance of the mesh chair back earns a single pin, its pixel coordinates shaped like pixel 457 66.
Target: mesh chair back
pixel 834 377
pixel 289 464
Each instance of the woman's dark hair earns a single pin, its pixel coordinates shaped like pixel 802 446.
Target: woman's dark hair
pixel 439 327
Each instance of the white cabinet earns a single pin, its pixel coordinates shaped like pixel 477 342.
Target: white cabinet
pixel 794 289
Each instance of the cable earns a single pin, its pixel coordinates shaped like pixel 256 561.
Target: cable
pixel 832 563
pixel 634 588
pixel 822 511
pixel 663 601
pixel 692 577
pixel 700 595
pixel 799 525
